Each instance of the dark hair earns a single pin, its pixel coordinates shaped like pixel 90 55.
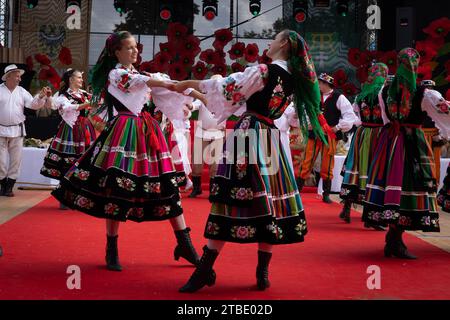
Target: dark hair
pixel 107 60
pixel 65 83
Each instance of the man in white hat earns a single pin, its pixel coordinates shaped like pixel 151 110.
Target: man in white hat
pixel 438 130
pixel 13 100
pixel 338 112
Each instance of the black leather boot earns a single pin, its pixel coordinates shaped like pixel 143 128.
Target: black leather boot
pixel 3 186
pixel 262 270
pixel 9 188
pixel 197 189
pixel 112 254
pixel 185 249
pixel 395 245
pixel 345 213
pixel 204 274
pixel 326 186
pixel 300 183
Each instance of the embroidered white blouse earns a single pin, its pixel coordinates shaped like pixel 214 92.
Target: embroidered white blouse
pixel 438 109
pixel 66 108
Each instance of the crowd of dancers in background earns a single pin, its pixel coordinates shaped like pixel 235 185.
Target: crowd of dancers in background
pixel 121 152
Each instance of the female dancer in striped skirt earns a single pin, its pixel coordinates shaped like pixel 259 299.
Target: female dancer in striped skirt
pixel 128 173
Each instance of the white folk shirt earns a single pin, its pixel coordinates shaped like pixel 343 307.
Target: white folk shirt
pixel 12 106
pixel 348 116
pixel 207 126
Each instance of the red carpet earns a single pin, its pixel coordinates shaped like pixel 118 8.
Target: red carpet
pixel 40 244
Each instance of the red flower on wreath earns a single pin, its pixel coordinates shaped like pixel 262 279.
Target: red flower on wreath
pixel 220 69
pixel 223 37
pixel 438 28
pixel 168 48
pixel 424 72
pixel 149 66
pixel 390 59
pixel 162 59
pixel 264 59
pixel 362 74
pixel 237 67
pixel 191 46
pixel 176 32
pixel 356 57
pixel 199 70
pixel 251 52
pixel 42 59
pixel 65 56
pixel 237 50
pixel 340 78
pixel 349 89
pixel 48 73
pixel 177 71
pixel 427 52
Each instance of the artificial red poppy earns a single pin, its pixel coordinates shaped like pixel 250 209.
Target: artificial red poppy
pixel 65 56
pixel 186 60
pixel 177 71
pixel 237 67
pixel 362 74
pixel 356 57
pixel 42 59
pixel 162 59
pixel 176 32
pixel 237 50
pixel 424 72
pixel 349 89
pixel 340 78
pixel 48 73
pixel 438 28
pixel 148 66
pixel 208 56
pixel 199 70
pixel 191 46
pixel 220 69
pixel 167 47
pixel 251 52
pixel 29 62
pixel 223 37
pixel 264 59
pixel 373 56
pixel 427 52
pixel 389 58
pixel 219 57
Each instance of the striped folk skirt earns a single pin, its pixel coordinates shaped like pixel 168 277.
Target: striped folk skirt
pixel 127 174
pixel 67 146
pixel 401 187
pixel 356 166
pixel 444 193
pixel 254 195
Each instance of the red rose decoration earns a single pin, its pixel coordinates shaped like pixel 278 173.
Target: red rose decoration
pixel 362 74
pixel 251 52
pixel 48 73
pixel 237 50
pixel 390 59
pixel 162 59
pixel 220 69
pixel 237 67
pixel 438 28
pixel 349 89
pixel 427 52
pixel 424 72
pixel 42 59
pixel 223 37
pixel 176 32
pixel 356 57
pixel 264 59
pixel 177 71
pixel 340 78
pixel 191 46
pixel 199 70
pixel 29 62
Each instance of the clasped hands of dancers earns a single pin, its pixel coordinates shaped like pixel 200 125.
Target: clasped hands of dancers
pixel 126 173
